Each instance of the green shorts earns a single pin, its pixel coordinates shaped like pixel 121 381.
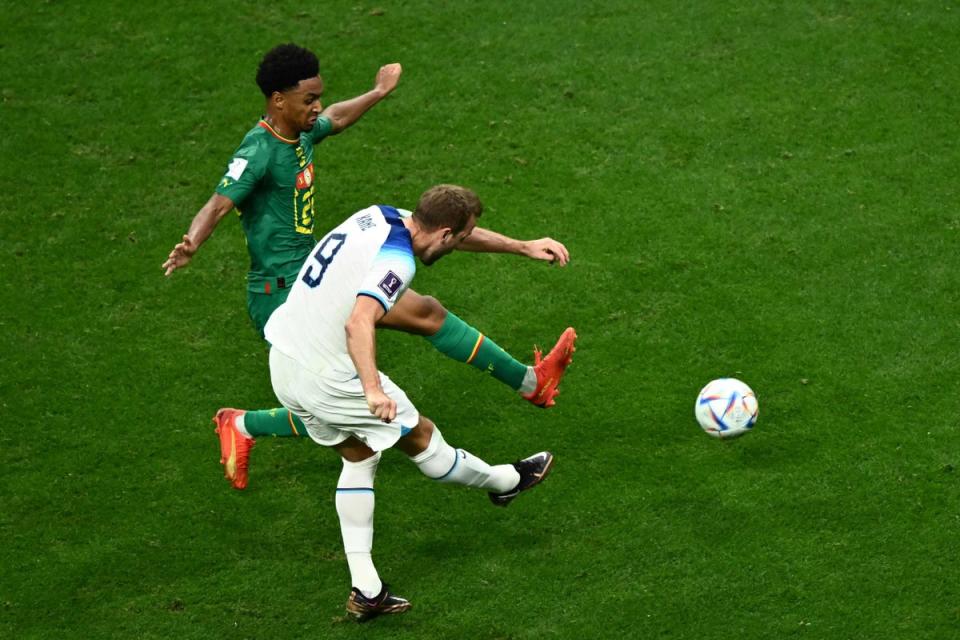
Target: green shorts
pixel 261 305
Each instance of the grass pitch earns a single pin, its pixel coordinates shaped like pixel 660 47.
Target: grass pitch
pixel 766 191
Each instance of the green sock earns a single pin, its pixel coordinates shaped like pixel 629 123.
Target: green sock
pixel 273 422
pixel 458 340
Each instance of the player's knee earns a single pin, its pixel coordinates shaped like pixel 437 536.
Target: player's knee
pixel 417 441
pixel 370 461
pixel 431 314
pixel 416 314
pixel 356 452
pixel 430 308
pixel 423 433
pixel 437 459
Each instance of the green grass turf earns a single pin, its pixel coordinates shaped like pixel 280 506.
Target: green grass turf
pixel 766 190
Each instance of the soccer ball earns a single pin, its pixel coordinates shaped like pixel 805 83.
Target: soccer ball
pixel 726 408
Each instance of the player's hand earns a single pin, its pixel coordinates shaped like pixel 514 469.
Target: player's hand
pixel 180 256
pixel 387 77
pixel 546 249
pixel 382 405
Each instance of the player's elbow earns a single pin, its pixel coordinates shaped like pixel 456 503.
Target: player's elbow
pixel 337 121
pixel 218 206
pixel 356 326
pixel 350 329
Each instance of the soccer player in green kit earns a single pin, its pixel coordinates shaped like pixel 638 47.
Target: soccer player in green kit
pixel 270 180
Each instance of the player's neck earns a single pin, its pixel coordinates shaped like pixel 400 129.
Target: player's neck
pixel 411 225
pixel 417 235
pixel 279 127
pixel 413 228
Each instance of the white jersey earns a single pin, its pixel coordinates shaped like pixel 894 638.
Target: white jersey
pixel 369 254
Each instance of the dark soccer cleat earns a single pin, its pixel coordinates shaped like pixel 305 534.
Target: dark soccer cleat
pixel 363 608
pixel 550 370
pixel 532 471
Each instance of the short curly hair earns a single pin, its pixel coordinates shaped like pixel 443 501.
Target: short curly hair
pixel 284 66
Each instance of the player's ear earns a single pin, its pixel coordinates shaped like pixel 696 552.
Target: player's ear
pixel 277 99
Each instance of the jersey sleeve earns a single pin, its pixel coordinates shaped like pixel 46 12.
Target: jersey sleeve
pixel 246 169
pixel 392 270
pixel 322 128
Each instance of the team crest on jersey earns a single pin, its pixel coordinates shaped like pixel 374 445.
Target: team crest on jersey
pixel 390 284
pixel 305 177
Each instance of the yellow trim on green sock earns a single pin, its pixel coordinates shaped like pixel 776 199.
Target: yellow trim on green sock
pixel 461 342
pixel 292 425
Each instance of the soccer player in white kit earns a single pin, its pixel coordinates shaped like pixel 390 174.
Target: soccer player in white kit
pixel 323 369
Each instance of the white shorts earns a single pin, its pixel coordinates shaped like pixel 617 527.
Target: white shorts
pixel 333 407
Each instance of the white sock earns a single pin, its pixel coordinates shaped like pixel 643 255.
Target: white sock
pixel 529 384
pixel 443 463
pixel 238 422
pixel 355 508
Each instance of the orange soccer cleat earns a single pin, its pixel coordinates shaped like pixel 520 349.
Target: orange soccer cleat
pixel 234 447
pixel 550 370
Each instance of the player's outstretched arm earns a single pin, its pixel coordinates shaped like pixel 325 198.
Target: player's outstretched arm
pixel 362 347
pixel 343 114
pixel 484 240
pixel 202 226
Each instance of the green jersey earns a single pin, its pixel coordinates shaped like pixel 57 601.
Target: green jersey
pixel 271 182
